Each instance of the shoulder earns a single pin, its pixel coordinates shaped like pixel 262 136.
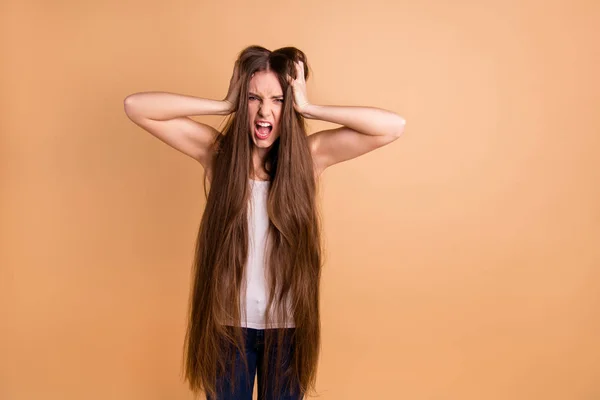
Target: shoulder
pixel 318 165
pixel 209 161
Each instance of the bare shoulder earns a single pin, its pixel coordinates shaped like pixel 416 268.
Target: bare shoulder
pixel 208 172
pixel 317 162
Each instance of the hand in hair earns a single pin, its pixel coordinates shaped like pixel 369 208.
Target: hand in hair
pixel 234 88
pixel 301 103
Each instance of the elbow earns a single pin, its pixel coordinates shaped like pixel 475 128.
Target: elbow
pixel 399 127
pixel 128 104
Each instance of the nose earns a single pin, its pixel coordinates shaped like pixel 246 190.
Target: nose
pixel 263 110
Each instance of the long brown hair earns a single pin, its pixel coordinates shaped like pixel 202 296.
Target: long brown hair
pixel 294 260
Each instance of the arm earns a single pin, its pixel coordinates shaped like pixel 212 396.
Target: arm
pixel 165 116
pixel 364 128
pixel 162 106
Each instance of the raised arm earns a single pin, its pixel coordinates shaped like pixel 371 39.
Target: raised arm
pixel 364 128
pixel 166 116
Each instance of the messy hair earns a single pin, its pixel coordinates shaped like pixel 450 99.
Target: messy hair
pixel 293 263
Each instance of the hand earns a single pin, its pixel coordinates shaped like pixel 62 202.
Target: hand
pixel 234 89
pixel 301 103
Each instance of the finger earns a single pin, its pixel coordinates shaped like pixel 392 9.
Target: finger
pixel 300 69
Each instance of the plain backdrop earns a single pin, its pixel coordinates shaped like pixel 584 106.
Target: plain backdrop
pixel 462 260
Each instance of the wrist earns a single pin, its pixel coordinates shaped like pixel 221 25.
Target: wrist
pixel 308 111
pixel 227 107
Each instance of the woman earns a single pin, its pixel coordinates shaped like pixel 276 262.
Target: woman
pixel 254 304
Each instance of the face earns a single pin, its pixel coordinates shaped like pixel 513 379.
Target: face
pixel 265 103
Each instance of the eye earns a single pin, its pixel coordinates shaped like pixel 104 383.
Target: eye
pixel 252 98
pixel 280 100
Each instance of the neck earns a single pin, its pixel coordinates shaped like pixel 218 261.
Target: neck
pixel 258 160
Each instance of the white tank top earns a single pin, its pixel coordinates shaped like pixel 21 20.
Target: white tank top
pixel 254 309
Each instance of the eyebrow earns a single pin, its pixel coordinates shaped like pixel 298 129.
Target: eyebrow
pixel 273 97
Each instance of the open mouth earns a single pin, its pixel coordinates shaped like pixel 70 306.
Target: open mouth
pixel 263 130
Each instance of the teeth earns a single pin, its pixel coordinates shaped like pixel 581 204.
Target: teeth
pixel 263 124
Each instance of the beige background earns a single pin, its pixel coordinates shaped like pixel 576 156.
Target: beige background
pixel 462 260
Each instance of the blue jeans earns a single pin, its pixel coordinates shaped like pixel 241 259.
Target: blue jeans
pixel 255 352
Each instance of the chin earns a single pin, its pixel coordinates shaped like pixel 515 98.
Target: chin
pixel 264 144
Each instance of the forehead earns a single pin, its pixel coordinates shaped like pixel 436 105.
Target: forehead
pixel 265 83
